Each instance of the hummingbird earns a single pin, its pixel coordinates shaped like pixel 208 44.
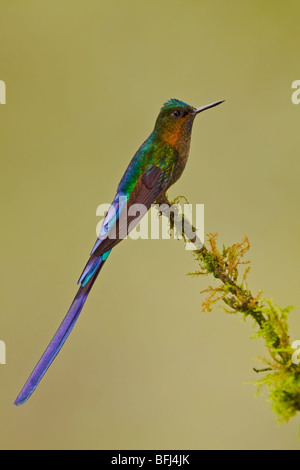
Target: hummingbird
pixel 157 164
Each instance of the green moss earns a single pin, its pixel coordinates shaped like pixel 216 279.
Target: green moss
pixel 282 377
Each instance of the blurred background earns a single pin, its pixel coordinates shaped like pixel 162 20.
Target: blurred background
pixel 143 368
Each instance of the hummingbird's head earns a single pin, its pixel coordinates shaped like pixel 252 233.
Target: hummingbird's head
pixel 175 121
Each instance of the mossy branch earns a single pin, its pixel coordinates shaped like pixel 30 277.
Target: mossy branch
pixel 283 377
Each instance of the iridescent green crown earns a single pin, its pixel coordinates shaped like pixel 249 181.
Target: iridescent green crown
pixel 172 103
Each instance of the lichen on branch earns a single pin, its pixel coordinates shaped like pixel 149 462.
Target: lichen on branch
pixel 282 376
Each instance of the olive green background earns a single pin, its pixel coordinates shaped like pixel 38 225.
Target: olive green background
pixel 144 368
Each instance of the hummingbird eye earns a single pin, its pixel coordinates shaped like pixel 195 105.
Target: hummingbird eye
pixel 176 113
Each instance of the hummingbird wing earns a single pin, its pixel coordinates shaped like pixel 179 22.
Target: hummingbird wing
pixel 118 224
pixel 148 187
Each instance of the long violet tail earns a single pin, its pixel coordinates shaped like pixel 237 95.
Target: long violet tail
pixel 63 331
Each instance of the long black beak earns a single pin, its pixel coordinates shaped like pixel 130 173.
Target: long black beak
pixel 211 105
